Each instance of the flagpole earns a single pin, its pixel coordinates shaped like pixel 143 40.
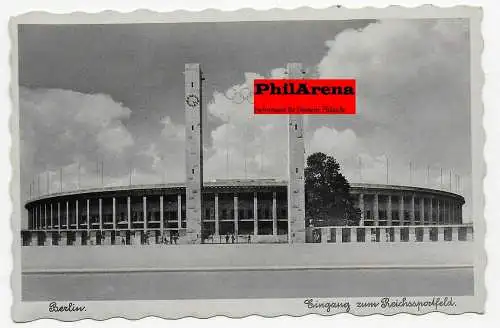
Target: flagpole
pixel 130 175
pixel 427 182
pixel 450 181
pixel 387 168
pixel 411 177
pixel 78 175
pixel 360 169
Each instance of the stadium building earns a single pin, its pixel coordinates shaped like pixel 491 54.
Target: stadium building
pixel 236 211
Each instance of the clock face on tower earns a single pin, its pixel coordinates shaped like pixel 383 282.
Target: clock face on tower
pixel 192 100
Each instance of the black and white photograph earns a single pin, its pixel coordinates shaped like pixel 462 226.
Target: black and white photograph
pixel 145 184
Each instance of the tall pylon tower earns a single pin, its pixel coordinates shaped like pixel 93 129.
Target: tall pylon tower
pixel 296 157
pixel 194 152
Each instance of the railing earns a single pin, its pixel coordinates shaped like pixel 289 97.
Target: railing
pixel 337 234
pixel 135 237
pixel 389 234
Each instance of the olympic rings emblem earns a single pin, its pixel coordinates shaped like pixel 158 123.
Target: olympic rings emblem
pixel 239 94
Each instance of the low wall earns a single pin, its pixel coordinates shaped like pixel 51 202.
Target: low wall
pixel 245 256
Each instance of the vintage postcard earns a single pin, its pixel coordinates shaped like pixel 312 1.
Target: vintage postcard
pixel 280 162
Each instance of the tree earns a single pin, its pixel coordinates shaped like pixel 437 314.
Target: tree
pixel 327 193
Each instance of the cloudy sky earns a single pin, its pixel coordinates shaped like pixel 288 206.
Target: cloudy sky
pixel 114 94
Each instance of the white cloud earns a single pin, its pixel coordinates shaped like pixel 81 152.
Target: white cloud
pixel 412 79
pixel 412 98
pixel 62 129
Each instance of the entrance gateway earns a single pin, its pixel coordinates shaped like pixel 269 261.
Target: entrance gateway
pixel 193 103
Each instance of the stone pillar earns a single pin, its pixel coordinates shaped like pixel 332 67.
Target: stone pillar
pixel 114 213
pixel 389 210
pixel 255 215
pixel 152 237
pixel 67 216
pixel 387 235
pixel 64 238
pixel 454 234
pixel 45 216
pixel 324 235
pixel 216 214
pixel 93 237
pixel 354 235
pixel 235 209
pixel 129 214
pixel 431 214
pixel 338 235
pixel 439 221
pixel 100 213
pixel 275 216
pixel 161 217
pixel 375 209
pixel 179 211
pixel 88 214
pixel 51 217
pixel 440 233
pixel 107 237
pixel 123 238
pixel 470 234
pixel 77 221
pixel 58 216
pixel 194 151
pixel 296 151
pixel 412 234
pixel 412 210
pixel 422 210
pixel 34 239
pixel 78 238
pixel 397 234
pixel 426 237
pixel 361 205
pixel 145 212
pixel 401 209
pixel 136 240
pixel 368 235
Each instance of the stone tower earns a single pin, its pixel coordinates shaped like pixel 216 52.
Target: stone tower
pixel 296 153
pixel 194 152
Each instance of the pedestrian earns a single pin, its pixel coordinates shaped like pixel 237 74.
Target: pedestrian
pixel 227 238
pixel 249 239
pixel 232 238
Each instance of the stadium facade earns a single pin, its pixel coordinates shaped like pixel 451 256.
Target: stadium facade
pixel 253 211
pixel 236 211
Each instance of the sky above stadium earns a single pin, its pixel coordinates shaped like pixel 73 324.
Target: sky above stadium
pixel 114 94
